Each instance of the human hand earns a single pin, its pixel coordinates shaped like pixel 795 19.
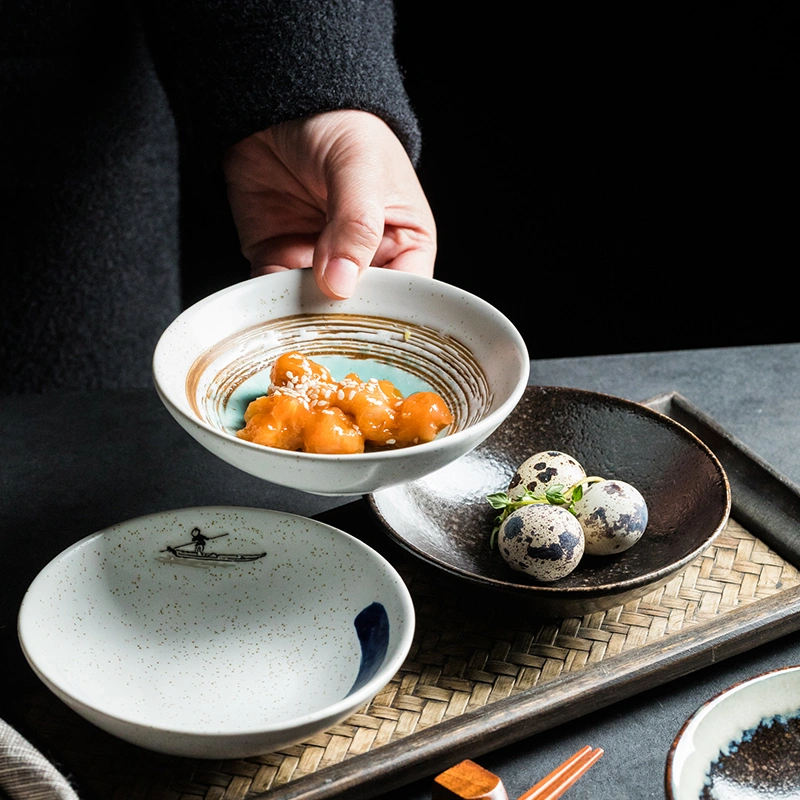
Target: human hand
pixel 337 192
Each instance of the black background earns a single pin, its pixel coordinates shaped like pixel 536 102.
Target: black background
pixel 613 182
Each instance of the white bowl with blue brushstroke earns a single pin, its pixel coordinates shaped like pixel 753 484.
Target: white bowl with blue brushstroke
pixel 420 333
pixel 742 743
pixel 217 632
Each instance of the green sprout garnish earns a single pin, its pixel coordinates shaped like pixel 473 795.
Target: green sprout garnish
pixel 555 495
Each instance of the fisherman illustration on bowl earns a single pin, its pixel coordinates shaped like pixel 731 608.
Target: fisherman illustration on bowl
pixel 198 551
pixel 199 541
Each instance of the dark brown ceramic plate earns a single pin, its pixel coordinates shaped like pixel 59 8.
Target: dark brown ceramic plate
pixel 445 520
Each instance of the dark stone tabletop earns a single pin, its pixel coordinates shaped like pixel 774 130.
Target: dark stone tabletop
pixel 74 463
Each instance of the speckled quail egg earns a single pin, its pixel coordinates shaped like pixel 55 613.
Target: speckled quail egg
pixel 543 541
pixel 544 470
pixel 613 515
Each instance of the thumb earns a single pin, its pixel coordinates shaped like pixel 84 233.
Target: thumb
pixel 353 232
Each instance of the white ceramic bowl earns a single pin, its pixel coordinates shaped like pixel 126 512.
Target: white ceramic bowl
pixel 418 332
pixel 726 725
pixel 281 627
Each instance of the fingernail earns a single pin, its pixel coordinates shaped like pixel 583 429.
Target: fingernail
pixel 341 275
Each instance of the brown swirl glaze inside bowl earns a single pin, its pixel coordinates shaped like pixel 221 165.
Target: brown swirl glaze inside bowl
pixel 236 370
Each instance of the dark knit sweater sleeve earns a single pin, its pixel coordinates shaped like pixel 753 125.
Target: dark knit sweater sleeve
pixel 233 67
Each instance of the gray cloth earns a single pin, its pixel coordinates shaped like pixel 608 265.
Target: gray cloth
pixel 25 774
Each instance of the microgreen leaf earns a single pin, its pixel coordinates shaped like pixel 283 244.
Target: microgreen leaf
pixel 555 495
pixel 498 499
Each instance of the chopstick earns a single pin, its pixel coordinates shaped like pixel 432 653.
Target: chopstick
pixel 560 779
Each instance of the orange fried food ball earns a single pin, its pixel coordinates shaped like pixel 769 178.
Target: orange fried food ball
pixel 392 392
pixel 371 405
pixel 332 431
pixel 420 418
pixel 261 405
pixel 293 369
pixel 306 409
pixel 275 421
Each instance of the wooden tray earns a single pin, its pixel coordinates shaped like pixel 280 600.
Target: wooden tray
pixel 469 686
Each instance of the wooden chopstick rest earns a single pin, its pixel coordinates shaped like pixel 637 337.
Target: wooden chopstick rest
pixel 468 781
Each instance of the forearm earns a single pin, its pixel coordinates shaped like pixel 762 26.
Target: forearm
pixel 232 67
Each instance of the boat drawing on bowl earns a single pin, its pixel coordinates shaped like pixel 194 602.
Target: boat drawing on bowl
pixel 198 551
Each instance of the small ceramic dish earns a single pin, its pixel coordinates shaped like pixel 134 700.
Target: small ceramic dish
pixel 445 519
pixel 216 632
pixel 743 743
pixel 419 333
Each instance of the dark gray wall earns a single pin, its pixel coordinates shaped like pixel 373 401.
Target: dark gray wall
pixel 613 183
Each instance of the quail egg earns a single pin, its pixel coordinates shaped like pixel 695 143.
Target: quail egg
pixel 613 515
pixel 543 541
pixel 543 470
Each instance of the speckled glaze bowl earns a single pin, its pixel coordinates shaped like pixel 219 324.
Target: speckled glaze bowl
pixel 216 632
pixel 417 332
pixel 445 519
pixel 743 743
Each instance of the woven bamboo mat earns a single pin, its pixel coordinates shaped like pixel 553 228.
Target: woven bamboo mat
pixel 458 663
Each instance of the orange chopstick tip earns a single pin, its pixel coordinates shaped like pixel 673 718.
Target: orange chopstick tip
pixel 552 786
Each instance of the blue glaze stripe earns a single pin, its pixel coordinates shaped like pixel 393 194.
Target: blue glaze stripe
pixel 372 628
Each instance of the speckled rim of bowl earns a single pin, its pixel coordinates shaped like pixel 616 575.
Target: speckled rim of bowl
pixel 180 406
pixel 670 771
pixel 354 699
